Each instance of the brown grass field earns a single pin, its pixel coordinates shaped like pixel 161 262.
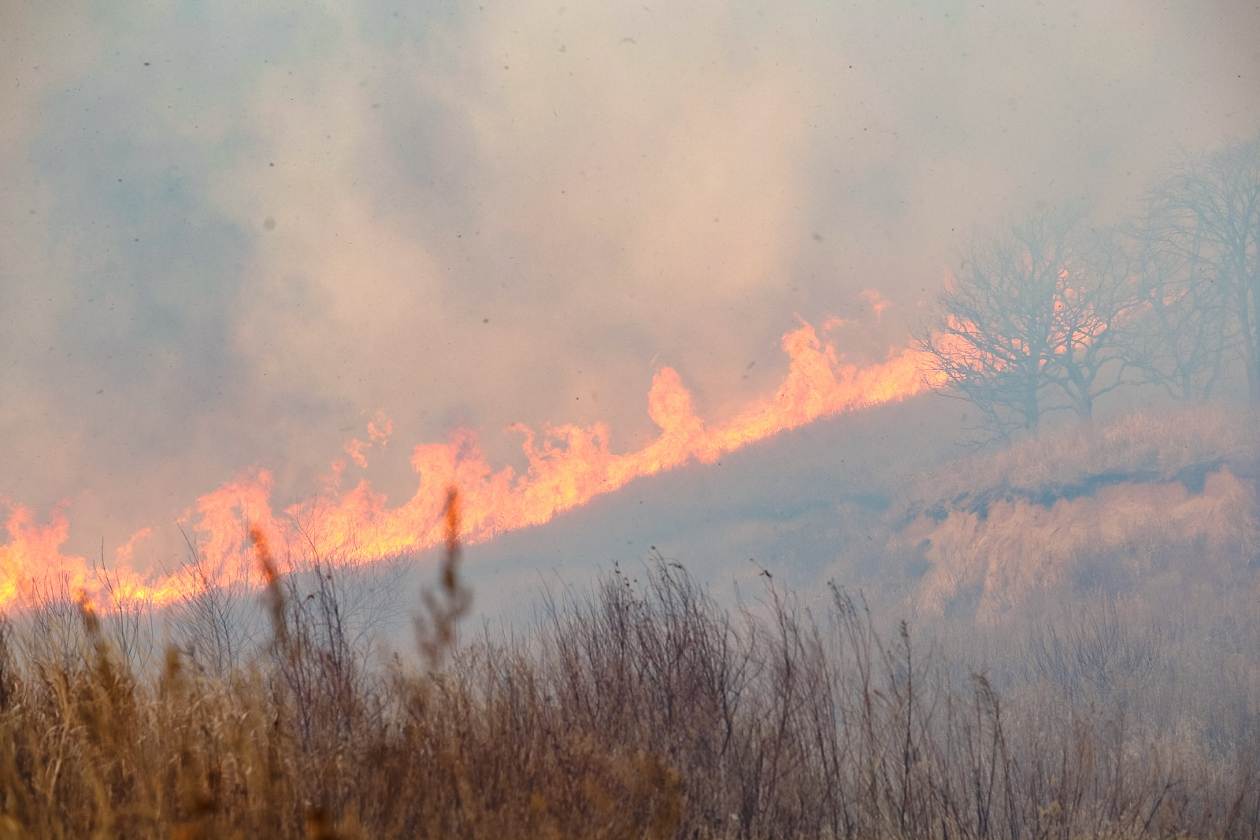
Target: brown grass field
pixel 647 710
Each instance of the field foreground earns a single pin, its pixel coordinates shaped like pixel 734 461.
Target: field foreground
pixel 634 713
pixel 643 708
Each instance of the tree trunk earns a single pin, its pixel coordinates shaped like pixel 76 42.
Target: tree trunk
pixel 1253 417
pixel 1032 412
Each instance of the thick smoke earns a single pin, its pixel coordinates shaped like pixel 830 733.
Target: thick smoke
pixel 231 235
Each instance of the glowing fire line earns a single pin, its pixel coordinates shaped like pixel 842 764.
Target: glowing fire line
pixel 567 468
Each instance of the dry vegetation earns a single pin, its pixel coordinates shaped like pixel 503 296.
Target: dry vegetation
pixel 1149 499
pixel 646 710
pixel 634 712
pixel 1158 443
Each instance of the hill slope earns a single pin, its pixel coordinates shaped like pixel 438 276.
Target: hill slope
pixel 884 501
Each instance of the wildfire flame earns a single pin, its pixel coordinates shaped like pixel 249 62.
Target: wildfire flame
pixel 568 466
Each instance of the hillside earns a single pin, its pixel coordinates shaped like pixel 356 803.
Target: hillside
pixel 793 504
pixel 1117 508
pixel 1081 659
pixel 885 502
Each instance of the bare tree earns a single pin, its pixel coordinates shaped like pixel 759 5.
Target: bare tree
pixel 1207 214
pixel 1028 325
pixel 1094 297
pixel 1177 335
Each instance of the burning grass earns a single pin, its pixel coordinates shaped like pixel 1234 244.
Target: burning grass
pixel 647 710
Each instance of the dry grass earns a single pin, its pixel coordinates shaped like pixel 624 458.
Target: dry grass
pixel 1096 506
pixel 1128 531
pixel 631 712
pixel 1154 444
pixel 646 710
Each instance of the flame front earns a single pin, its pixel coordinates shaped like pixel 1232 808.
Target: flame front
pixel 568 467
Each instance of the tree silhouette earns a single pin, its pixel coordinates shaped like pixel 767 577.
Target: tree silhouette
pixel 1204 219
pixel 1177 337
pixel 1028 324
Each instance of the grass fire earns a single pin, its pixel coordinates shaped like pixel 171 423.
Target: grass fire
pixel 749 420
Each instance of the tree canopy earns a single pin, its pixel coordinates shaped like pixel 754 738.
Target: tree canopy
pixel 1052 314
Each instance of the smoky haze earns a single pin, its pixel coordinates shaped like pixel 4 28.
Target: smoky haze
pixel 234 236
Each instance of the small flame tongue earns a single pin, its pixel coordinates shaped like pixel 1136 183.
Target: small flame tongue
pixel 567 468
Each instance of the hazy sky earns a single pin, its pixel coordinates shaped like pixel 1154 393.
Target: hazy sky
pixel 231 233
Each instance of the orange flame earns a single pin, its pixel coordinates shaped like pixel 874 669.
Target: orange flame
pixel 568 466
